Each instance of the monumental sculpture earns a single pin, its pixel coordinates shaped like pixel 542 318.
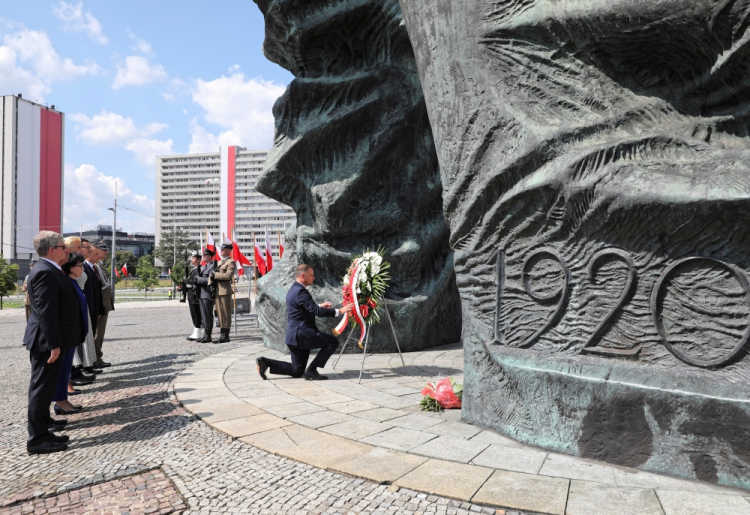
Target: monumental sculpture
pixel 354 156
pixel 595 163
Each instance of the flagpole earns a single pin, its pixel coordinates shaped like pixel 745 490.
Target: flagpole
pixel 234 294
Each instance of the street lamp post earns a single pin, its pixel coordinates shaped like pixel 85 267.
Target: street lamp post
pixel 114 239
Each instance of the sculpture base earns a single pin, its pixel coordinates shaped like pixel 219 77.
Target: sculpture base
pixel 665 421
pixel 420 321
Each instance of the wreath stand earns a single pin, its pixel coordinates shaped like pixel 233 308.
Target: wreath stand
pixel 367 339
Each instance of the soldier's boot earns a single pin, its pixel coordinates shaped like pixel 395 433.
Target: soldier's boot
pixel 195 336
pixel 224 336
pixel 206 337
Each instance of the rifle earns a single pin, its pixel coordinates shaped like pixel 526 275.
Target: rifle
pixel 183 284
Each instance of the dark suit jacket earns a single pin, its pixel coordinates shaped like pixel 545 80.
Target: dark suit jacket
pixel 56 320
pixel 202 279
pixel 93 291
pixel 301 311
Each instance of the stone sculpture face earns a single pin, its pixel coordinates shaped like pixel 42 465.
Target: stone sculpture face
pixel 354 156
pixel 595 159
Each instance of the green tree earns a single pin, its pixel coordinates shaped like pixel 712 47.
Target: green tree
pixel 147 273
pixel 178 272
pixel 8 278
pixel 172 247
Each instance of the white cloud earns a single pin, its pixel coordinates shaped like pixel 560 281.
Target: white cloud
pixel 241 106
pixel 140 45
pixel 137 71
pixel 77 20
pixel 107 128
pixel 146 150
pixel 35 47
pixel 14 79
pixel 202 140
pixel 88 195
pixel 43 66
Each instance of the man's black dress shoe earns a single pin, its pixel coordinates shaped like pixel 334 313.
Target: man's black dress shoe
pixel 60 411
pixel 92 371
pixel 86 376
pixel 101 364
pixel 46 447
pixel 59 438
pixel 58 421
pixel 54 428
pixel 79 382
pixel 262 367
pixel 313 375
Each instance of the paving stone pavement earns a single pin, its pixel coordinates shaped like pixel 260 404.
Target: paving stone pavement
pixel 132 426
pixel 375 430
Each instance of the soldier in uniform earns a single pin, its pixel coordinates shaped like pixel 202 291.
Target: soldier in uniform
pixel 207 294
pixel 193 296
pixel 224 278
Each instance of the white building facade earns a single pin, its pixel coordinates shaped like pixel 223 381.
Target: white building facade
pixel 32 153
pixel 216 191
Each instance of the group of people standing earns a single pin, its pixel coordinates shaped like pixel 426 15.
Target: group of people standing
pixel 69 296
pixel 210 284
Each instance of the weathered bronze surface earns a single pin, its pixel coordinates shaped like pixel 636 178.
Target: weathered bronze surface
pixel 354 156
pixel 595 161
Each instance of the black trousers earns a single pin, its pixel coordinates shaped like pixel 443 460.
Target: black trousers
pixel 301 353
pixel 207 314
pixel 195 310
pixel 42 387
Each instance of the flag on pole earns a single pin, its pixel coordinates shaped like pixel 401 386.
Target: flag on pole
pixel 170 271
pixel 281 245
pixel 269 256
pixel 210 245
pixel 260 259
pixel 124 270
pixel 117 273
pixel 238 256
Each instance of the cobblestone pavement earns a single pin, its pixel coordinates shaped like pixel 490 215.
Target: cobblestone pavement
pixel 151 492
pixel 131 426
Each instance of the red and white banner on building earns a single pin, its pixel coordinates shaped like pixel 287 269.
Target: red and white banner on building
pixel 227 188
pixel 33 136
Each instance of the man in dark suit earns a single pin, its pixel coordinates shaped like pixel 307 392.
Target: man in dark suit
pixel 302 334
pixel 55 326
pixel 207 295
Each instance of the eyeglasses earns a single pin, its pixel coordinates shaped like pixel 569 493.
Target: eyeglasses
pixel 60 247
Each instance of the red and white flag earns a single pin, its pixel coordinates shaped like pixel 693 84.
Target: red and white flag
pixel 239 257
pixel 210 245
pixel 117 273
pixel 269 255
pixel 125 270
pixel 260 258
pixel 281 245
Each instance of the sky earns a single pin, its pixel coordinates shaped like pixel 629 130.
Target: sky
pixel 137 79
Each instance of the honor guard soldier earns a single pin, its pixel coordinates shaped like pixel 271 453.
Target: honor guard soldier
pixel 207 294
pixel 193 296
pixel 224 279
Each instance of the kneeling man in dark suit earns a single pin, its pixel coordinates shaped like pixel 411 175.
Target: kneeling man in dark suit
pixel 302 334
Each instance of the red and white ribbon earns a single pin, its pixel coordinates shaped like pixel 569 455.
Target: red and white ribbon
pixel 356 313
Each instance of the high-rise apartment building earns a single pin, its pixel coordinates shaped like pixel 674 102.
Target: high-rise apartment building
pixel 216 191
pixel 32 149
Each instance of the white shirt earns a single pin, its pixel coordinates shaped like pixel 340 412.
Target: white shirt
pixel 50 261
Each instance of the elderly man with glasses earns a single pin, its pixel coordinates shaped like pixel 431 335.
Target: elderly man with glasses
pixel 55 326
